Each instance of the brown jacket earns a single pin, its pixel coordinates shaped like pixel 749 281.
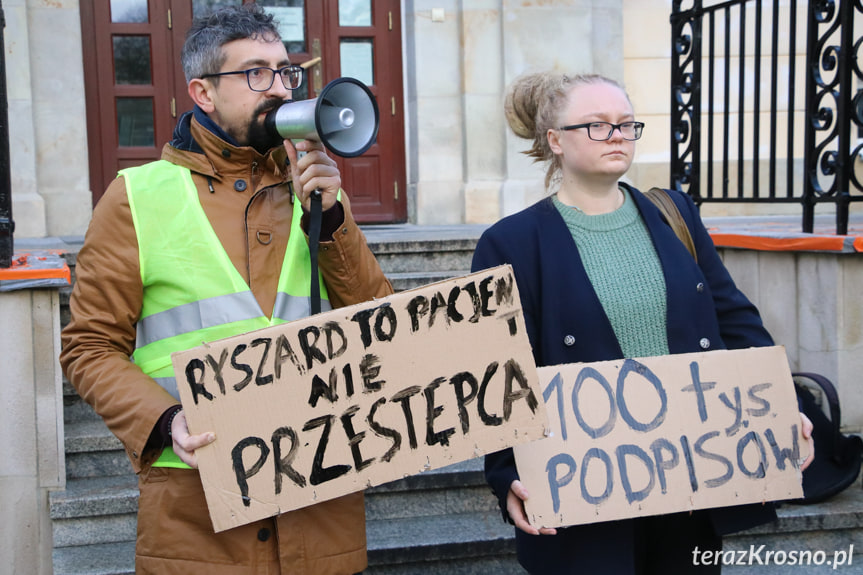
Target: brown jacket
pixel 248 202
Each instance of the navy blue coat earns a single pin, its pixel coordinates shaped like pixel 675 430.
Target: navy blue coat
pixel 567 324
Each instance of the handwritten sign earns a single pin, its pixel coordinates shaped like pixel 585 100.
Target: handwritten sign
pixel 663 434
pixel 355 397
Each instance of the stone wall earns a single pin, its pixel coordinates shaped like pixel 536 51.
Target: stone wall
pixel 463 164
pixel 811 304
pixel 47 118
pixel 31 454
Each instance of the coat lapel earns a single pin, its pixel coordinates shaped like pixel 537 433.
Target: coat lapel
pixel 580 311
pixel 678 267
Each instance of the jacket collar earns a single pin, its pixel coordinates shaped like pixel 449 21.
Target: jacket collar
pixel 206 122
pixel 200 145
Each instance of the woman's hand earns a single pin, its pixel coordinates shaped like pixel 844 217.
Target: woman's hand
pixel 515 507
pixel 806 426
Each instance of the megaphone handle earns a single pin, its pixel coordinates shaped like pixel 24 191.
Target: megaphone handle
pixel 315 217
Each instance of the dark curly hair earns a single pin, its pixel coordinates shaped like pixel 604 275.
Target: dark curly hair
pixel 202 51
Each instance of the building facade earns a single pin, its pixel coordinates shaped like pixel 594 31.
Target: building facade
pixel 74 93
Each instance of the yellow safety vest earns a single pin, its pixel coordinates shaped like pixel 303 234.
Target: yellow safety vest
pixel 192 292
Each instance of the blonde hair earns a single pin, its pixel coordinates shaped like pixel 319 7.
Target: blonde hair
pixel 534 104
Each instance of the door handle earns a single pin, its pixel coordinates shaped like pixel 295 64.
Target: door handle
pixel 310 63
pixel 317 75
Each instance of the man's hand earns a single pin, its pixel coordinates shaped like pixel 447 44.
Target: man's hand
pixel 185 444
pixel 515 507
pixel 315 170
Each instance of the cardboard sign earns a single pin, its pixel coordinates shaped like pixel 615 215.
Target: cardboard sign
pixel 355 397
pixel 664 434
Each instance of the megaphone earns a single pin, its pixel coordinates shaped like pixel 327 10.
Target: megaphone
pixel 344 118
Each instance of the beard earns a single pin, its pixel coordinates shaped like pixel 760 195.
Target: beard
pixel 257 135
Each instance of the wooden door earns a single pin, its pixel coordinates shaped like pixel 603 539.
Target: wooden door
pixel 362 39
pixel 129 87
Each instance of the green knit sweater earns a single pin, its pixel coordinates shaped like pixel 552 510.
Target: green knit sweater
pixel 624 269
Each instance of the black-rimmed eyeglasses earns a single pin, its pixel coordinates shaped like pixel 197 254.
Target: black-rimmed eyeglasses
pixel 261 79
pixel 602 131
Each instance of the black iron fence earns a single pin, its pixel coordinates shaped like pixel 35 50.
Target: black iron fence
pixel 767 103
pixel 7 226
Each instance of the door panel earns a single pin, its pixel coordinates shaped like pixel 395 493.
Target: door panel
pixel 363 40
pixel 128 112
pixel 364 175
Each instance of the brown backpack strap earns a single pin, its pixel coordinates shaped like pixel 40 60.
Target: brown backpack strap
pixel 666 205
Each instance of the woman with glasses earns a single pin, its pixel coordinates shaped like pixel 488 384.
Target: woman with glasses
pixel 602 276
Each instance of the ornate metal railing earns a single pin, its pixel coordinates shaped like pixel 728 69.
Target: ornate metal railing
pixel 738 132
pixel 7 226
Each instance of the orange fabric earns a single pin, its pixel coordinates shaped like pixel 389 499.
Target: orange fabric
pixel 761 243
pixel 22 269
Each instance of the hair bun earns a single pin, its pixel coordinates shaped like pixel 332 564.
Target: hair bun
pixel 520 107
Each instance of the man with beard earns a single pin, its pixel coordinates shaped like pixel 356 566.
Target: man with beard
pixel 206 243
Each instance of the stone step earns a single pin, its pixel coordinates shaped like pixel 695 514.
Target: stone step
pixel 457 544
pixel 478 542
pixel 830 527
pixel 89 436
pixel 410 248
pixel 455 489
pixel 105 559
pixel 402 281
pixel 458 488
pixel 93 451
pixel 425 258
pixel 76 409
pixel 95 511
pixel 97 464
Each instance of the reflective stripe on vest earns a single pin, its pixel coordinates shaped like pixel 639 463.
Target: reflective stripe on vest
pixel 216 311
pixel 192 292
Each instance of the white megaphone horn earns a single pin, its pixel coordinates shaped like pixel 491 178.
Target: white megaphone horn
pixel 344 118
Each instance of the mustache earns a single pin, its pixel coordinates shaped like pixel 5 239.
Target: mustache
pixel 269 105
